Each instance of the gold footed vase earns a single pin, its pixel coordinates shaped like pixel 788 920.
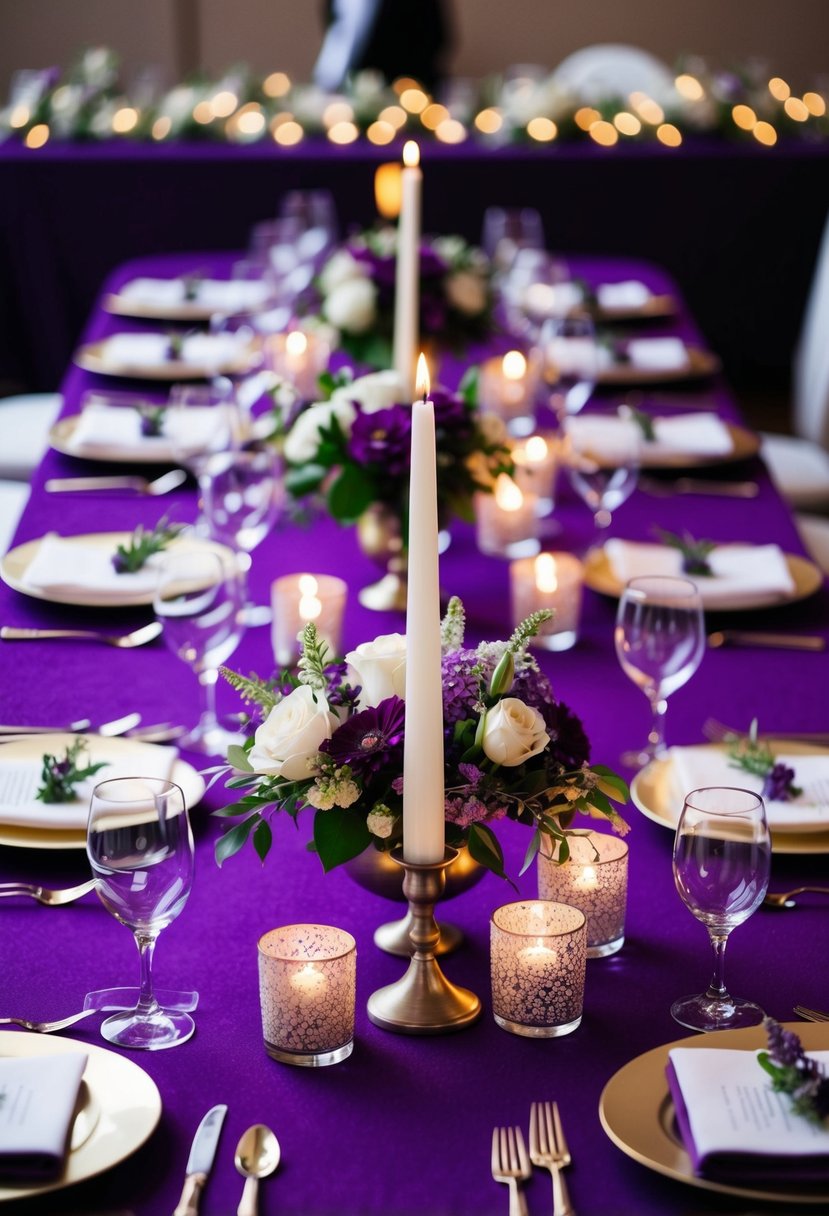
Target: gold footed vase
pixel 379 873
pixel 380 537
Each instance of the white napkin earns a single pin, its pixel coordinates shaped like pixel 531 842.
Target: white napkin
pixel 551 299
pixel 695 767
pixel 658 354
pixel 38 1096
pixel 69 566
pixel 702 434
pixel 613 297
pixel 217 295
pixel 21 778
pixel 741 574
pixel 192 429
pixel 608 440
pixel 577 357
pixel 153 350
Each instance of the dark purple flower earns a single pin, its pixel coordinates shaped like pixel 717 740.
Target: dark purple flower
pixel 569 746
pixel 383 438
pixel 784 1046
pixel 779 784
pixel 371 740
pixel 338 691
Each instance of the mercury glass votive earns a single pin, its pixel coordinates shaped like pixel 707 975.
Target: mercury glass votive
pixel 508 386
pixel 297 599
pixel 536 465
pixel 506 520
pixel 554 581
pixel 538 959
pixel 595 880
pixel 307 990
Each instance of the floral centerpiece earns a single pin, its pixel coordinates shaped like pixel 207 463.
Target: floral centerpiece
pixel 332 741
pixel 357 283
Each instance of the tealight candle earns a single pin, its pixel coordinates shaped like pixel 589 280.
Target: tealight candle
pixel 538 957
pixel 536 465
pixel 297 599
pixel 594 879
pixel 307 988
pixel 507 387
pixel 554 581
pixel 299 356
pixel 507 522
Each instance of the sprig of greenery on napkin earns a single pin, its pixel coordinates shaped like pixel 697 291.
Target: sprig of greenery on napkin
pixel 754 756
pixel 792 1072
pixel 142 545
pixel 60 776
pixel 694 552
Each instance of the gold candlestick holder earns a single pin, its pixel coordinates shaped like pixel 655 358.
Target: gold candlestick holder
pixel 423 1001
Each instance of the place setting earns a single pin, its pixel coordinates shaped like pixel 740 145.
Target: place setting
pixel 173 356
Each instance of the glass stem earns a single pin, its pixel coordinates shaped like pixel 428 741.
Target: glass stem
pixel 656 736
pixel 207 682
pixel 147 1003
pixel 717 989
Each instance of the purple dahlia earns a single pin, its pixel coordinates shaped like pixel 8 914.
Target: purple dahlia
pixel 371 740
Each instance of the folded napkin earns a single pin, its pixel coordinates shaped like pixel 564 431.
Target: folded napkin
pixel 607 440
pixel 582 357
pixel 153 350
pixel 735 1127
pixel 695 767
pixel 630 294
pixel 69 566
pixel 217 295
pixel 658 354
pixel 742 574
pixel 20 780
pixel 193 429
pixel 38 1097
pixel 702 434
pixel 551 299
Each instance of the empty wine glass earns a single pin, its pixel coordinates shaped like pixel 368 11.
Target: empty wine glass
pixel 202 419
pixel 721 862
pixel 603 467
pixel 660 639
pixel 140 848
pixel 571 361
pixel 240 496
pixel 200 601
pixel 508 229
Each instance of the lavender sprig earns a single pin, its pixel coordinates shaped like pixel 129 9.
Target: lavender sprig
pixel 60 776
pixel 793 1072
pixel 152 419
pixel 754 756
pixel 142 545
pixel 694 552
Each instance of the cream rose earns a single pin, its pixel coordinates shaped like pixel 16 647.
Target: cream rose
pixel 340 268
pixel 466 291
pixel 352 306
pixel 379 667
pixel 513 732
pixel 291 735
pixel 376 391
pixel 303 439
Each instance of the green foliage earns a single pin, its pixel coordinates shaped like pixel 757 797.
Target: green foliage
pixel 142 545
pixel 694 552
pixel 60 776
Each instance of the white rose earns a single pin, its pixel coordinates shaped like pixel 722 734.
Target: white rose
pixel 466 292
pixel 339 269
pixel 377 391
pixel 291 735
pixel 492 428
pixel 513 732
pixel 352 306
pixel 303 439
pixel 379 667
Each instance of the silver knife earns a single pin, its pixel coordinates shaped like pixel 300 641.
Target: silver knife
pixel 200 1160
pixel 780 641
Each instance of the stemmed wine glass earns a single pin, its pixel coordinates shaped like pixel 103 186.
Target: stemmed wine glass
pixel 571 362
pixel 660 639
pixel 140 848
pixel 200 600
pixel 721 862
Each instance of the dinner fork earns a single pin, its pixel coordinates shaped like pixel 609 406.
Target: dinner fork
pixel 811 1015
pixel 510 1164
pixel 718 732
pixel 548 1148
pixel 45 895
pixel 47 1027
pixel 161 485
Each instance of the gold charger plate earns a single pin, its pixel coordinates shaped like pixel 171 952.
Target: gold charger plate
pixel 654 306
pixel 92 358
pixel 119 1108
pixel 807 579
pixel 637 1113
pixel 101 747
pixel 700 363
pixel 61 438
pixel 744 445
pixel 188 310
pixel 14 564
pixel 655 793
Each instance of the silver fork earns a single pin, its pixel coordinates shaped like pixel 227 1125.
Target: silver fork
pixel 47 1027
pixel 44 895
pixel 510 1164
pixel 548 1148
pixel 718 732
pixel 161 485
pixel 811 1015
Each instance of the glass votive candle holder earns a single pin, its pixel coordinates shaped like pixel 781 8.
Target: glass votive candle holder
pixel 538 959
pixel 554 581
pixel 595 880
pixel 536 466
pixel 508 387
pixel 297 599
pixel 506 520
pixel 307 992
pixel 300 356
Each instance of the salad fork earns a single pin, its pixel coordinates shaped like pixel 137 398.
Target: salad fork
pixel 47 1027
pixel 548 1148
pixel 45 895
pixel 811 1015
pixel 510 1164
pixel 161 485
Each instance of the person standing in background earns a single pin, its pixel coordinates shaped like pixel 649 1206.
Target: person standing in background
pixel 394 37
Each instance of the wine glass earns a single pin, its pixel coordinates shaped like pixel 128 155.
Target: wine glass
pixel 571 359
pixel 202 419
pixel 200 601
pixel 721 862
pixel 240 496
pixel 603 469
pixel 508 229
pixel 140 848
pixel 660 639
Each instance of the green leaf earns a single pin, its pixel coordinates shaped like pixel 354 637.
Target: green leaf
pixel 350 495
pixel 484 848
pixel 532 849
pixel 468 388
pixel 232 841
pixel 262 839
pixel 305 479
pixel 238 757
pixel 339 835
pixel 611 784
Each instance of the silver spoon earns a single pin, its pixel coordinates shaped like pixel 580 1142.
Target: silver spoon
pixel 785 899
pixel 161 485
pixel 257 1156
pixel 125 641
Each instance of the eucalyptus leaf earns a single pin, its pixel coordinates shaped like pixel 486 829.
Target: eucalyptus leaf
pixel 232 841
pixel 339 835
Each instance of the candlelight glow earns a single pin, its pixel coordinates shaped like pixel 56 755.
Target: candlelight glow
pixel 162 127
pixel 276 85
pixel 296 343
pixel 778 88
pixel 124 120
pixel 627 123
pixel 307 584
pixel 414 100
pixel 508 496
pixel 411 154
pixel 395 116
pixel 337 111
pixel 604 133
pixel 744 117
pixel 650 111
pixel 380 133
pixel 434 115
pixel 796 109
pixel 287 132
pixel 669 135
pixel 489 121
pixel 536 449
pixel 585 117
pixel 388 190
pixel 203 112
pixel 249 121
pixel 38 136
pixel 546 579
pixel 765 133
pixel 815 104
pixel 451 131
pixel 689 87
pixel 542 129
pixel 19 116
pixel 423 384
pixel 224 103
pixel 514 365
pixel 343 133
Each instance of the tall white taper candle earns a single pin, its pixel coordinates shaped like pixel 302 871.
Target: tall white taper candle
pixel 407 274
pixel 423 814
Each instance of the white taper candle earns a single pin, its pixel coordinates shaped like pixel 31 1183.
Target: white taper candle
pixel 407 274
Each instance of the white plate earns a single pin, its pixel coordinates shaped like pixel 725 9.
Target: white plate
pixel 700 363
pixel 656 793
pixel 120 1108
pixel 14 564
pixel 61 437
pixel 100 748
pixel 93 358
pixel 637 1113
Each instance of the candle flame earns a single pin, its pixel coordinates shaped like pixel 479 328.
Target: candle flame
pixel 411 154
pixel 422 381
pixel 508 495
pixel 535 449
pixel 514 365
pixel 545 573
pixel 296 343
pixel 307 584
pixel 309 608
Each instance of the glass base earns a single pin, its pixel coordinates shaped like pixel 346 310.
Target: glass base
pixel 153 1032
pixel 605 949
pixel 640 759
pixel 310 1059
pixel 106 999
pixel 538 1032
pixel 704 1012
pixel 565 640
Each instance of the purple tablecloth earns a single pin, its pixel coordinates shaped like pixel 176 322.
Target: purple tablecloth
pixel 403 1127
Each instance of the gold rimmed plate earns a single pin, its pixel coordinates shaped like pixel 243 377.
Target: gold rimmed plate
pixel 93 357
pixel 655 306
pixel 119 1109
pixel 699 363
pixel 637 1113
pixel 656 793
pixel 805 575
pixel 153 451
pixel 744 445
